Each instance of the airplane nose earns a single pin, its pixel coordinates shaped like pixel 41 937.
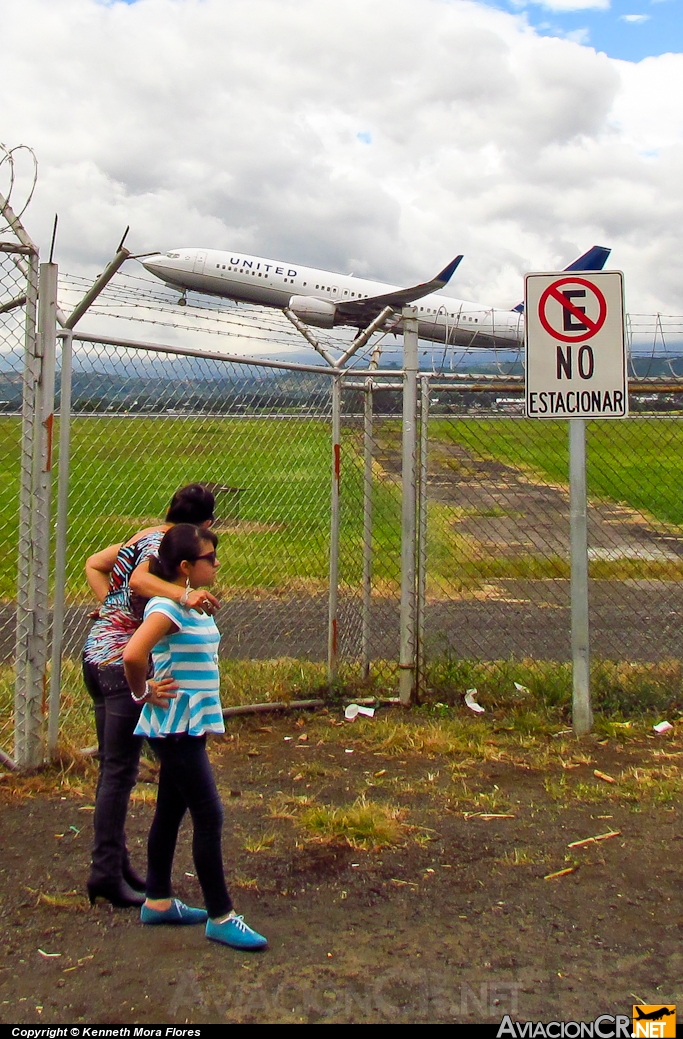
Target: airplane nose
pixel 154 263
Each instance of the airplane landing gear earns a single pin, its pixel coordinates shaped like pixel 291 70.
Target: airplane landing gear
pixel 182 302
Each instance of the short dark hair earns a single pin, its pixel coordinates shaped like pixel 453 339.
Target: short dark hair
pixel 182 541
pixel 191 504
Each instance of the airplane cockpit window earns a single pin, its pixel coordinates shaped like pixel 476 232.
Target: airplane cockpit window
pixel 173 256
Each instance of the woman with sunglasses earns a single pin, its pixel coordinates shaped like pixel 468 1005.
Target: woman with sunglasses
pixel 184 647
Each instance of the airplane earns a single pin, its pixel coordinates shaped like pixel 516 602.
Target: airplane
pixel 654 1015
pixel 325 300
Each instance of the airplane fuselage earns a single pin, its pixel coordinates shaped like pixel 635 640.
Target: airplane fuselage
pixel 314 295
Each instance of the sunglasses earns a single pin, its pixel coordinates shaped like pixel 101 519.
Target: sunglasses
pixel 210 557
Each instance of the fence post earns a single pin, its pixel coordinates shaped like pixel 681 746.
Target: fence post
pixel 406 664
pixel 332 627
pixel 33 618
pixel 26 733
pixel 42 493
pixel 582 715
pixel 422 530
pixel 367 524
pixel 60 543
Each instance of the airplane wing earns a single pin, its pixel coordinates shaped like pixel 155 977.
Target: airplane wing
pixel 367 309
pixel 594 260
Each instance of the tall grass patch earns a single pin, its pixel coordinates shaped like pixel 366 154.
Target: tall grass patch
pixel 364 824
pixel 620 689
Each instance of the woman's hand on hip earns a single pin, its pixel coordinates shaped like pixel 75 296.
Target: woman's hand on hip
pixel 161 692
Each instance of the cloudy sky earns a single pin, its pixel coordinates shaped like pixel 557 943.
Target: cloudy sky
pixel 374 136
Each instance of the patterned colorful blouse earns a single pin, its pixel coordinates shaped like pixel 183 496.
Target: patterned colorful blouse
pixel 122 610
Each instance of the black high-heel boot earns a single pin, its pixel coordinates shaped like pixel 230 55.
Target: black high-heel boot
pixel 118 892
pixel 132 878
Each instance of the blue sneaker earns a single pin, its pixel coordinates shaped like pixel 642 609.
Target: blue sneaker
pixel 177 913
pixel 236 933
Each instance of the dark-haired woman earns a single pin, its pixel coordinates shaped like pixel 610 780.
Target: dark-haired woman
pixel 111 574
pixel 184 647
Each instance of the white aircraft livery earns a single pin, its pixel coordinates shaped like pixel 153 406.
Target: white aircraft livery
pixel 324 299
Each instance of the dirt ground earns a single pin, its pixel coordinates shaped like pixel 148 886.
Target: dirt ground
pixel 454 922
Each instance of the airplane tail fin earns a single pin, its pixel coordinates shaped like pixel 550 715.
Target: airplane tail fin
pixel 593 260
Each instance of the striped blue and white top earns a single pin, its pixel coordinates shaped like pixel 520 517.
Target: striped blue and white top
pixel 190 656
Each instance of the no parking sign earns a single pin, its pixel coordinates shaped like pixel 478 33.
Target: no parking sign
pixel 575 347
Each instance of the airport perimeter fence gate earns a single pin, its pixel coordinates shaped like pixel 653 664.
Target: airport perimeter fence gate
pixel 147 419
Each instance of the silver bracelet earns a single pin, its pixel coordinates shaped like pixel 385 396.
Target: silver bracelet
pixel 185 596
pixel 147 695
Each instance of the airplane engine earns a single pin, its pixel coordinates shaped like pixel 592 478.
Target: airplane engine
pixel 313 311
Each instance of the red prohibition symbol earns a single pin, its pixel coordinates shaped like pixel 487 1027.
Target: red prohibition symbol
pixel 585 325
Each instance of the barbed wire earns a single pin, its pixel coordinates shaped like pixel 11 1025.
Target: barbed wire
pixel 134 298
pixel 8 157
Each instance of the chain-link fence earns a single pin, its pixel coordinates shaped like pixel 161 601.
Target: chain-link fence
pixel 370 545
pixel 14 269
pixel 491 544
pixel 144 424
pixel 497 520
pixel 496 515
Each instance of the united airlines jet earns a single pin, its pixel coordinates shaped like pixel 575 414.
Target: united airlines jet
pixel 324 299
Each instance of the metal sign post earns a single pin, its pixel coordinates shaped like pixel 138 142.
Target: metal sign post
pixel 576 369
pixel 407 661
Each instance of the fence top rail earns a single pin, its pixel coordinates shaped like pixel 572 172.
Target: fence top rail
pixel 188 351
pixel 16 247
pixel 446 380
pixel 210 355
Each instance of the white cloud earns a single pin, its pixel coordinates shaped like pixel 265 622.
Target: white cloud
pixel 244 126
pixel 581 36
pixel 635 18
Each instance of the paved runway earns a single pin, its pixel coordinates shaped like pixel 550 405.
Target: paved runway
pixel 630 620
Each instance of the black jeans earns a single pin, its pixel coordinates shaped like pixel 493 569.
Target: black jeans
pixel 186 782
pixel 116 715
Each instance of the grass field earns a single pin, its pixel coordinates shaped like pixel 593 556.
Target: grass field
pixel 638 461
pixel 124 470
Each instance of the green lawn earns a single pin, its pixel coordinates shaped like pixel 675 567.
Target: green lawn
pixel 124 470
pixel 637 461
